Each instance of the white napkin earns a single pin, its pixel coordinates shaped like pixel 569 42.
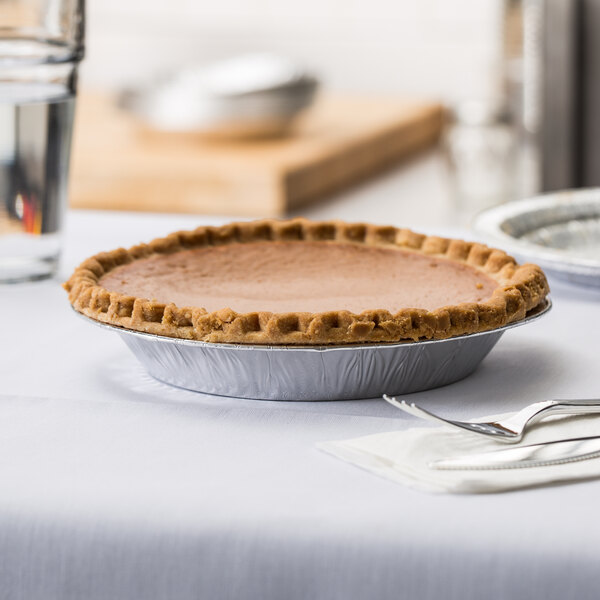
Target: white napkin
pixel 403 456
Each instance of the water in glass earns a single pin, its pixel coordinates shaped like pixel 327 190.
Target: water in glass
pixel 37 99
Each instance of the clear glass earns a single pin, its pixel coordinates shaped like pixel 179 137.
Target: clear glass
pixel 481 155
pixel 41 44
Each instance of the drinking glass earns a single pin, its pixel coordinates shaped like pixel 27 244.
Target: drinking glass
pixel 41 45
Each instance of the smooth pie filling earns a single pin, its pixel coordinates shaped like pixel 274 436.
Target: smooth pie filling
pixel 312 277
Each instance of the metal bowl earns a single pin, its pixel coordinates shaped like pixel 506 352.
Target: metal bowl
pixel 560 232
pixel 305 373
pixel 254 95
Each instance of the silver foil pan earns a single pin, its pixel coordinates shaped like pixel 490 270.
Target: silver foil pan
pixel 305 373
pixel 560 232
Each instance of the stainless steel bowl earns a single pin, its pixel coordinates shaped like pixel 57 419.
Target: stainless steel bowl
pixel 254 95
pixel 305 373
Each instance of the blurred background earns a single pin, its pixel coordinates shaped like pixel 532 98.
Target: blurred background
pixel 389 110
pixel 429 48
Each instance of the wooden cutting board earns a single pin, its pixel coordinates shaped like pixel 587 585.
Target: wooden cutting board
pixel 119 164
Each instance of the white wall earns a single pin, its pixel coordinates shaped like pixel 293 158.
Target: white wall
pixel 437 48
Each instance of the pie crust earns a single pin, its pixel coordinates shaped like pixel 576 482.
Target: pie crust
pixel 520 288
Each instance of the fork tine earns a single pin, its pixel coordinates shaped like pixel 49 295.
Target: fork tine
pixel 402 405
pixel 411 409
pixel 425 414
pixel 417 411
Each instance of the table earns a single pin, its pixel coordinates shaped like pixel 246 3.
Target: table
pixel 115 486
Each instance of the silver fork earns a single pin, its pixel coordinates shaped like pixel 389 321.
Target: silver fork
pixel 512 429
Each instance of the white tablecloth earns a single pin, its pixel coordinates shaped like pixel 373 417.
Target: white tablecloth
pixel 114 486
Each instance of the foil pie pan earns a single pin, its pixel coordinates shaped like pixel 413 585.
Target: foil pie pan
pixel 559 231
pixel 304 373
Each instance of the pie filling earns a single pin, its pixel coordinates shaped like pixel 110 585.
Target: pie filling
pixel 304 276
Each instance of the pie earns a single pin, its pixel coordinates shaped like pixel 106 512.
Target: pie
pixel 305 282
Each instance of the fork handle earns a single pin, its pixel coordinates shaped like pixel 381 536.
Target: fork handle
pixel 566 407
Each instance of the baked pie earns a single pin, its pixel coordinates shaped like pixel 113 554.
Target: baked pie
pixel 304 282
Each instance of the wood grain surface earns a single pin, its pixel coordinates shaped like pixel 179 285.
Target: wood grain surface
pixel 118 163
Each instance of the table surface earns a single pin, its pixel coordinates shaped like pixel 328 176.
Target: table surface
pixel 115 486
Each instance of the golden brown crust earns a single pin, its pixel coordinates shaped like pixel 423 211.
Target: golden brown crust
pixel 520 289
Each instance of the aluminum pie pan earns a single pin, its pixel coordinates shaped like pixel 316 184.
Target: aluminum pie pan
pixel 308 373
pixel 559 231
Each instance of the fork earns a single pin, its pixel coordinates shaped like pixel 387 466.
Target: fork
pixel 511 429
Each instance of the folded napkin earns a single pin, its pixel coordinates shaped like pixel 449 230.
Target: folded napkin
pixel 403 456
